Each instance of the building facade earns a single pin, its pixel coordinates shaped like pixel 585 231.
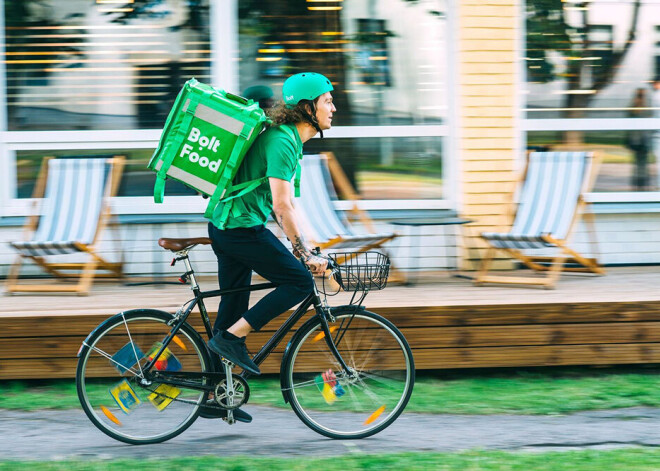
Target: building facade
pixel 437 101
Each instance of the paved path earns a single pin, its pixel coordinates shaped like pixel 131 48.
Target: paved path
pixel 57 435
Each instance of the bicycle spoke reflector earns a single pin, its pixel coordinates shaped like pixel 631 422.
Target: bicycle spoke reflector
pixel 329 386
pixel 163 396
pixel 321 335
pixel 125 396
pixel 166 361
pixel 110 415
pixel 180 343
pixel 127 357
pixel 374 416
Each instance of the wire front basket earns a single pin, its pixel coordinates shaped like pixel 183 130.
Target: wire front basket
pixel 361 271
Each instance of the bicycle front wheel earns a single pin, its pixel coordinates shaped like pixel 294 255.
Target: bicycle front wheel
pixel 109 374
pixel 358 403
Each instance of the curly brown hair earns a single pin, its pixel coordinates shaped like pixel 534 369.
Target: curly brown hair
pixel 281 114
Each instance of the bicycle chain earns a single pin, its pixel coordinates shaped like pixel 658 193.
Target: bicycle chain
pixel 214 405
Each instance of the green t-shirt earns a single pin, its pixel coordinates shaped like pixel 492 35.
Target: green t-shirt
pixel 273 154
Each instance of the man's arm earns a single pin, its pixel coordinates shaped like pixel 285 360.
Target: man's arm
pixel 285 217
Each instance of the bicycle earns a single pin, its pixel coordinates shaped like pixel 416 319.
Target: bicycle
pixel 145 375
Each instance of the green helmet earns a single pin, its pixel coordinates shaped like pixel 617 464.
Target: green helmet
pixel 304 86
pixel 258 92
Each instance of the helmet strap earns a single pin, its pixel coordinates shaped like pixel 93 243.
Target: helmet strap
pixel 312 118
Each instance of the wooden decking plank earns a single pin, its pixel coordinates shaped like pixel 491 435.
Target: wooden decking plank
pixel 418 338
pixel 528 335
pixel 83 324
pixel 63 347
pixel 547 355
pixel 613 319
pixel 424 358
pixel 54 368
pixel 439 316
pixel 516 314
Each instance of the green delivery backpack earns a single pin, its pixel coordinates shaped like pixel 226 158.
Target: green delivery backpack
pixel 206 136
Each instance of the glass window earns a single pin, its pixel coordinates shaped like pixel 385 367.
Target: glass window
pixel 590 59
pixel 627 164
pixel 94 65
pixel 385 58
pixel 597 60
pixel 81 64
pixel 136 180
pixel 387 62
pixel 415 171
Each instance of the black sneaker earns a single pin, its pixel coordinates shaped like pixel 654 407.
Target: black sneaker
pixel 233 349
pixel 213 411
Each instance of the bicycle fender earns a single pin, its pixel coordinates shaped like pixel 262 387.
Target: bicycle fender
pixel 294 339
pixel 112 319
pixel 346 307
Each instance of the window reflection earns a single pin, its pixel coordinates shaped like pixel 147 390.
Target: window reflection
pixel 83 64
pixel 79 64
pixel 414 173
pixel 598 59
pixel 385 58
pixel 136 179
pixel 586 59
pixel 628 164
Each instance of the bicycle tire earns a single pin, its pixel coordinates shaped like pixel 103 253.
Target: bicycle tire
pixel 142 422
pixel 378 393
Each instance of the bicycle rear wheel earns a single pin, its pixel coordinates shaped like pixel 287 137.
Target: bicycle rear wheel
pixel 356 405
pixel 110 369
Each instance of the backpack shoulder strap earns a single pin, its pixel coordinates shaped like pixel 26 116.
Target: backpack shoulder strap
pixel 296 181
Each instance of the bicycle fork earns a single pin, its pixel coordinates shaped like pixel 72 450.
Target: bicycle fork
pixel 324 314
pixel 330 342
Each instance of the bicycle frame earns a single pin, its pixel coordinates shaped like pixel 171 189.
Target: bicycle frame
pixel 181 317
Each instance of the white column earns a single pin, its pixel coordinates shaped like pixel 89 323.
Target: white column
pixel 224 44
pixel 7 157
pixel 451 163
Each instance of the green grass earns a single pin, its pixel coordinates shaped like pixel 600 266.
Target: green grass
pixel 639 459
pixel 543 391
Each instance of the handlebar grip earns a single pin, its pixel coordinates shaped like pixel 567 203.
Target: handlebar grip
pixel 332 264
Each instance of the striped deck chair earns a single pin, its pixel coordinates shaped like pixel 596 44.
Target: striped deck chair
pixel 73 213
pixel 551 201
pixel 321 223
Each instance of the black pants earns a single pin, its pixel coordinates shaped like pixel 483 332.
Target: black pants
pixel 239 252
pixel 640 177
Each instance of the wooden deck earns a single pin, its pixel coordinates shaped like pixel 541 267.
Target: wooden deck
pixel 449 323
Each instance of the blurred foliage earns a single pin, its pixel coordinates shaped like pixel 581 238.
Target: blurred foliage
pixel 196 19
pixel 549 33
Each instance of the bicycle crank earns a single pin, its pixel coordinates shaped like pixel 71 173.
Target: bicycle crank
pixel 232 398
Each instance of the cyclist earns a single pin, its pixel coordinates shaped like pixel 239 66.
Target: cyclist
pixel 245 245
pixel 262 94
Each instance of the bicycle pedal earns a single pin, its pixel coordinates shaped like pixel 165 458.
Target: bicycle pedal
pixel 228 363
pixel 230 418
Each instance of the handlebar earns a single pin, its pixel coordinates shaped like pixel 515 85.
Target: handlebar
pixel 332 264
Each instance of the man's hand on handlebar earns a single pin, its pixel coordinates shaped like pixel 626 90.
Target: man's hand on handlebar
pixel 317 265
